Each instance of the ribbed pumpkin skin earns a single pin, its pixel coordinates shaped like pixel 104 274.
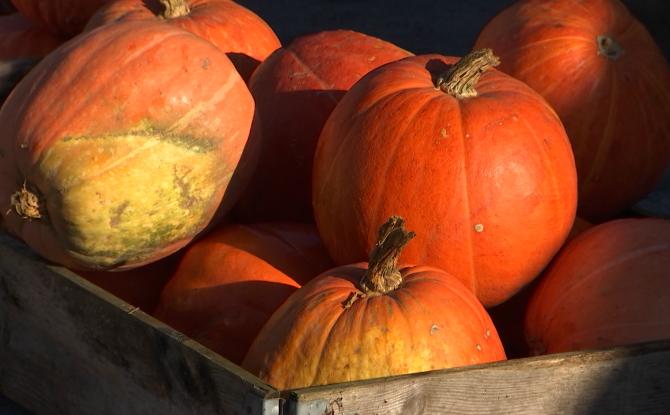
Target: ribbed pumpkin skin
pixel 230 282
pixel 63 17
pixel 609 287
pixel 488 183
pixel 131 137
pixel 295 90
pixel 614 110
pixel 236 30
pixel 430 322
pixel 19 38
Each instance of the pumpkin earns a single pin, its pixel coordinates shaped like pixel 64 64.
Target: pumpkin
pixel 140 287
pixel 123 145
pixel 295 90
pixel 61 17
pixel 6 7
pixel 236 30
pixel 609 287
pixel 607 80
pixel 481 168
pixel 19 38
pixel 508 317
pixel 371 320
pixel 21 45
pixel 229 283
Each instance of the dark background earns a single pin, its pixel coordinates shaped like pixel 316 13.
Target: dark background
pixel 420 26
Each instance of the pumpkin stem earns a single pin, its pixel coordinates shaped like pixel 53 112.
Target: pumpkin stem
pixel 174 8
pixel 383 275
pixel 26 203
pixel 460 79
pixel 609 47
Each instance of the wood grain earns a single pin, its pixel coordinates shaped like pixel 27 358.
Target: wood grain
pixel 625 380
pixel 68 347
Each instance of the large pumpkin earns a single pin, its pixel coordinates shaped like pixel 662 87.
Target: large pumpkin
pixel 122 145
pixel 373 320
pixel 230 282
pixel 295 90
pixel 607 80
pixel 609 287
pixel 62 17
pixel 236 30
pixel 482 170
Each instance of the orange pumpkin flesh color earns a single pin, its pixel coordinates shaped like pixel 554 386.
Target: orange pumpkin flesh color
pixel 481 168
pixel 125 162
pixel 230 282
pixel 62 17
pixel 608 287
pixel 295 90
pixel 608 81
pixel 236 30
pixel 365 321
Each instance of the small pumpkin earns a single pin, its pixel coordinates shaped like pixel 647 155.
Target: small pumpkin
pixel 609 287
pixel 236 30
pixel 61 17
pixel 608 81
pixel 295 90
pixel 481 168
pixel 373 319
pixel 123 145
pixel 230 282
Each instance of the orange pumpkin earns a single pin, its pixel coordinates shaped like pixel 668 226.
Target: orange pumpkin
pixel 61 17
pixel 607 80
pixel 230 282
pixel 236 30
pixel 508 316
pixel 609 287
pixel 141 286
pixel 372 320
pixel 481 168
pixel 295 90
pixel 122 145
pixel 19 38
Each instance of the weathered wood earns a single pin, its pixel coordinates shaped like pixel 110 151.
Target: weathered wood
pixel 625 380
pixel 68 347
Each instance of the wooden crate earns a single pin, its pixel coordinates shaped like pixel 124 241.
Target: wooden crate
pixel 69 347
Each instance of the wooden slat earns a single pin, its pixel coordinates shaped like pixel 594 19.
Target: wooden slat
pixel 625 380
pixel 68 347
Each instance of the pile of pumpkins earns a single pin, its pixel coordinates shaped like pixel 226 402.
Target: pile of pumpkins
pixel 339 208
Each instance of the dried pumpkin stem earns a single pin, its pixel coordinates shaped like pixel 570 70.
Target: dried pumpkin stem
pixel 609 48
pixel 383 275
pixel 174 9
pixel 26 204
pixel 460 79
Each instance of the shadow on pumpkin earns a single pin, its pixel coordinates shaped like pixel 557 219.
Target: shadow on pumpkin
pixel 281 188
pixel 225 318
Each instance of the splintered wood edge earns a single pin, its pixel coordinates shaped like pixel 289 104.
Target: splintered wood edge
pixel 22 257
pixel 502 387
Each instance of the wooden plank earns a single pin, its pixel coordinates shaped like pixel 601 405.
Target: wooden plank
pixel 624 380
pixel 69 347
